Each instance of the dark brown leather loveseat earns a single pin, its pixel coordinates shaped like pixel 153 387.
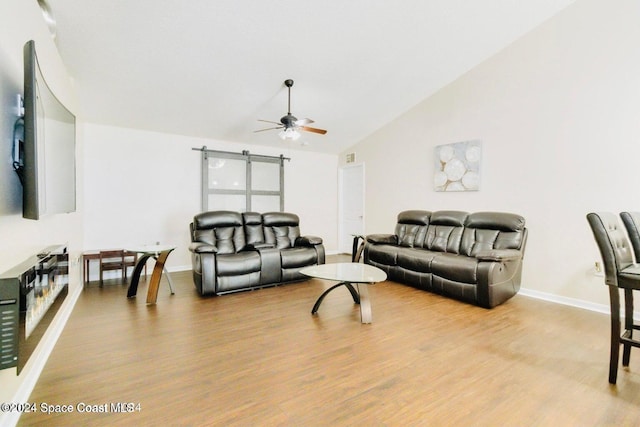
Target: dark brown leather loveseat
pixel 233 251
pixel 473 257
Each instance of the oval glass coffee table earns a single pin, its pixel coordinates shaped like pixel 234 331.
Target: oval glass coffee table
pixel 348 274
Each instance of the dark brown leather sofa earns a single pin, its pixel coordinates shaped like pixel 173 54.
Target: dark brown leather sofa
pixel 472 257
pixel 234 251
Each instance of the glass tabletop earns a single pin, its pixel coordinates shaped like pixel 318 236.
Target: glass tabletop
pixel 150 249
pixel 346 272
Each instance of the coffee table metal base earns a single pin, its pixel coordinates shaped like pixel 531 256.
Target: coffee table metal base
pixel 158 269
pixel 360 296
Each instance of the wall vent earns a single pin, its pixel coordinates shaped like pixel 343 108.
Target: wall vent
pixel 351 157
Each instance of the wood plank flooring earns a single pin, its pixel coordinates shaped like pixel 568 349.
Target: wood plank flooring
pixel 261 359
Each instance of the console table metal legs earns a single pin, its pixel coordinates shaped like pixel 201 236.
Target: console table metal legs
pixel 156 276
pixel 360 296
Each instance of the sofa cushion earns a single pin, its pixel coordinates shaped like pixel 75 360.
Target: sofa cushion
pixel 281 228
pixel 445 231
pixel 410 235
pixel 412 228
pixel 502 221
pixel 492 230
pixel 235 264
pixel 253 227
pixel 476 240
pixel 383 254
pixel 308 241
pixel 222 229
pixel 298 257
pixel 414 217
pixel 454 267
pixel 229 240
pixel 415 259
pixel 207 220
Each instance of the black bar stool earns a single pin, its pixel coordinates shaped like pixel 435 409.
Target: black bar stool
pixel 620 273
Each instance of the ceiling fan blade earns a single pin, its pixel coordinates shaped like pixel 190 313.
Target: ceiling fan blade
pixel 290 122
pixel 314 130
pixel 269 121
pixel 262 130
pixel 302 122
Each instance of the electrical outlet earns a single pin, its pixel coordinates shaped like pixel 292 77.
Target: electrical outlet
pixel 597 267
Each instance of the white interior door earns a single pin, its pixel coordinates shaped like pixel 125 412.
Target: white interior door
pixel 351 205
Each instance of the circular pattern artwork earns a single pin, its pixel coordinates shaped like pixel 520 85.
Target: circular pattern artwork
pixel 457 166
pixel 455 169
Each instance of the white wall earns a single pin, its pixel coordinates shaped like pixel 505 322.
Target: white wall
pixel 558 112
pixel 21 21
pixel 142 187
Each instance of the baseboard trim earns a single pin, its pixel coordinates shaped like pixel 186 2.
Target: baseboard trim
pixel 573 302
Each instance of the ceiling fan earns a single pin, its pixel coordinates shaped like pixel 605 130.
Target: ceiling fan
pixel 290 124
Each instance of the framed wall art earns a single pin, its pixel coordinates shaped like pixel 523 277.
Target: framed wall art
pixel 457 166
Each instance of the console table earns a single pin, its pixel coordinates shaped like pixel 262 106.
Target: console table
pixel 159 253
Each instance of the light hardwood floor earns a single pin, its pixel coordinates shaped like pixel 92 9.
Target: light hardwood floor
pixel 261 359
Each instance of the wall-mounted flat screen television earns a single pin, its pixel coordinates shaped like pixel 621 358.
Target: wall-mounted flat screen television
pixel 48 152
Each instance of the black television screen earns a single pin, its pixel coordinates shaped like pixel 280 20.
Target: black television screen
pixel 48 156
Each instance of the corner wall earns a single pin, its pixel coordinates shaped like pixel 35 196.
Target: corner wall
pixel 558 112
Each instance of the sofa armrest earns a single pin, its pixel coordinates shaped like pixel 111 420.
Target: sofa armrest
pixel 383 239
pixel 499 255
pixel 202 248
pixel 308 241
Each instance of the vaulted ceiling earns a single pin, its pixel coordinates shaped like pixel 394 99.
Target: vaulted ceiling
pixel 211 68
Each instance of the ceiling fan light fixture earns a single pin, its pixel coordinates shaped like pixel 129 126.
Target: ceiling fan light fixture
pixel 290 124
pixel 289 133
